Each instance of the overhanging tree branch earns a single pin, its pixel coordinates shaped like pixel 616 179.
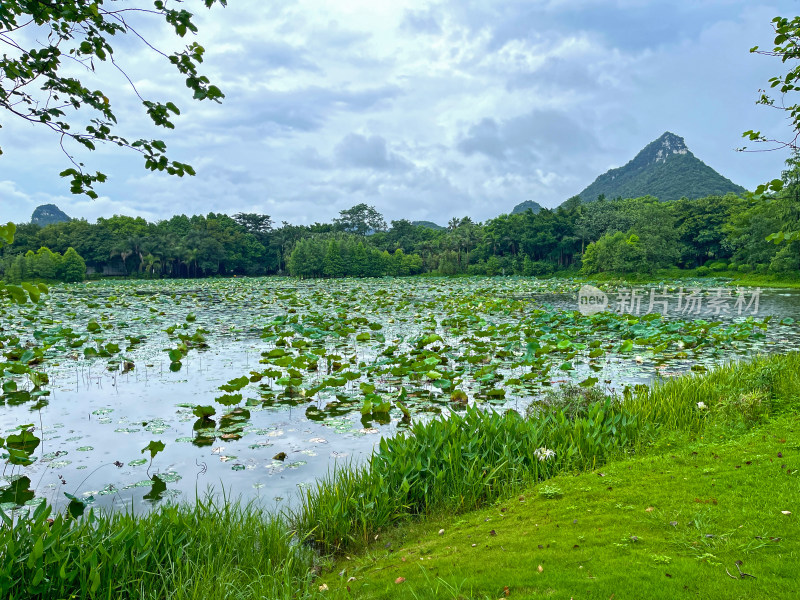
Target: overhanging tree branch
pixel 80 31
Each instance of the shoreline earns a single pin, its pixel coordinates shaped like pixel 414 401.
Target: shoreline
pixel 356 516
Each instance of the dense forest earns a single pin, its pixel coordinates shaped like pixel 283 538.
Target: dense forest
pixel 621 235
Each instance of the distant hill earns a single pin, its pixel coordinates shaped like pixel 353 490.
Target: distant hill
pixel 48 214
pixel 428 224
pixel 666 169
pixel 523 206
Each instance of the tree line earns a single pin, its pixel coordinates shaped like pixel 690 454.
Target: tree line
pixel 634 235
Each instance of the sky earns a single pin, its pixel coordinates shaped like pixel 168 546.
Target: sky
pixel 424 110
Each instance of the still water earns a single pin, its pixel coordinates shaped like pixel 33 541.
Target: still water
pixel 96 421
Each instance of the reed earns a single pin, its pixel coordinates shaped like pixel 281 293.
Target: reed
pixel 212 549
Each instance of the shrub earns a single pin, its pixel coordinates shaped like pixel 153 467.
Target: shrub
pixel 478 268
pixel 571 399
pixel 541 268
pixel 749 408
pixel 787 259
pixel 74 266
pixel 703 271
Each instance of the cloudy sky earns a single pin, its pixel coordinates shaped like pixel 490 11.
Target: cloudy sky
pixel 426 110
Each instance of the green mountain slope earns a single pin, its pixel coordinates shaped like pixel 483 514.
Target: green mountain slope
pixel 523 206
pixel 428 224
pixel 666 169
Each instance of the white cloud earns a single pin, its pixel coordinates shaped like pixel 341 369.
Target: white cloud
pixel 424 109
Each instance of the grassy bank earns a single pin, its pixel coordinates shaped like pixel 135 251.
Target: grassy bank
pixel 662 526
pixel 561 461
pixel 715 462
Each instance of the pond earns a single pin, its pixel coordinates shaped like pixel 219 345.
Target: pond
pixel 257 387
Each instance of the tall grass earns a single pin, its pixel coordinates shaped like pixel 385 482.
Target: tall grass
pixel 738 392
pixel 206 551
pixel 455 464
pixel 465 461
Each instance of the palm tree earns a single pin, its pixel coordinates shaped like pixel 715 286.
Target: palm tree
pixel 150 263
pixel 189 258
pixel 131 246
pixel 123 250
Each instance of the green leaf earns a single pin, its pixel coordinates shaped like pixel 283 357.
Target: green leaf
pixel 403 409
pixel 24 441
pixel 33 291
pixel 203 412
pixel 229 399
pixel 234 385
pixel 95 581
pixel 76 506
pixel 7 232
pixel 17 294
pixel 154 448
pixel 776 185
pixel 382 408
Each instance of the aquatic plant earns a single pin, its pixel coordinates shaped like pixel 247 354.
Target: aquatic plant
pixel 214 550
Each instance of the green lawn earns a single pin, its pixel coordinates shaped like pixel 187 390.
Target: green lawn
pixel 666 525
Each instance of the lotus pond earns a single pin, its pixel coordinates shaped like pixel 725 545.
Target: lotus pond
pixel 260 386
